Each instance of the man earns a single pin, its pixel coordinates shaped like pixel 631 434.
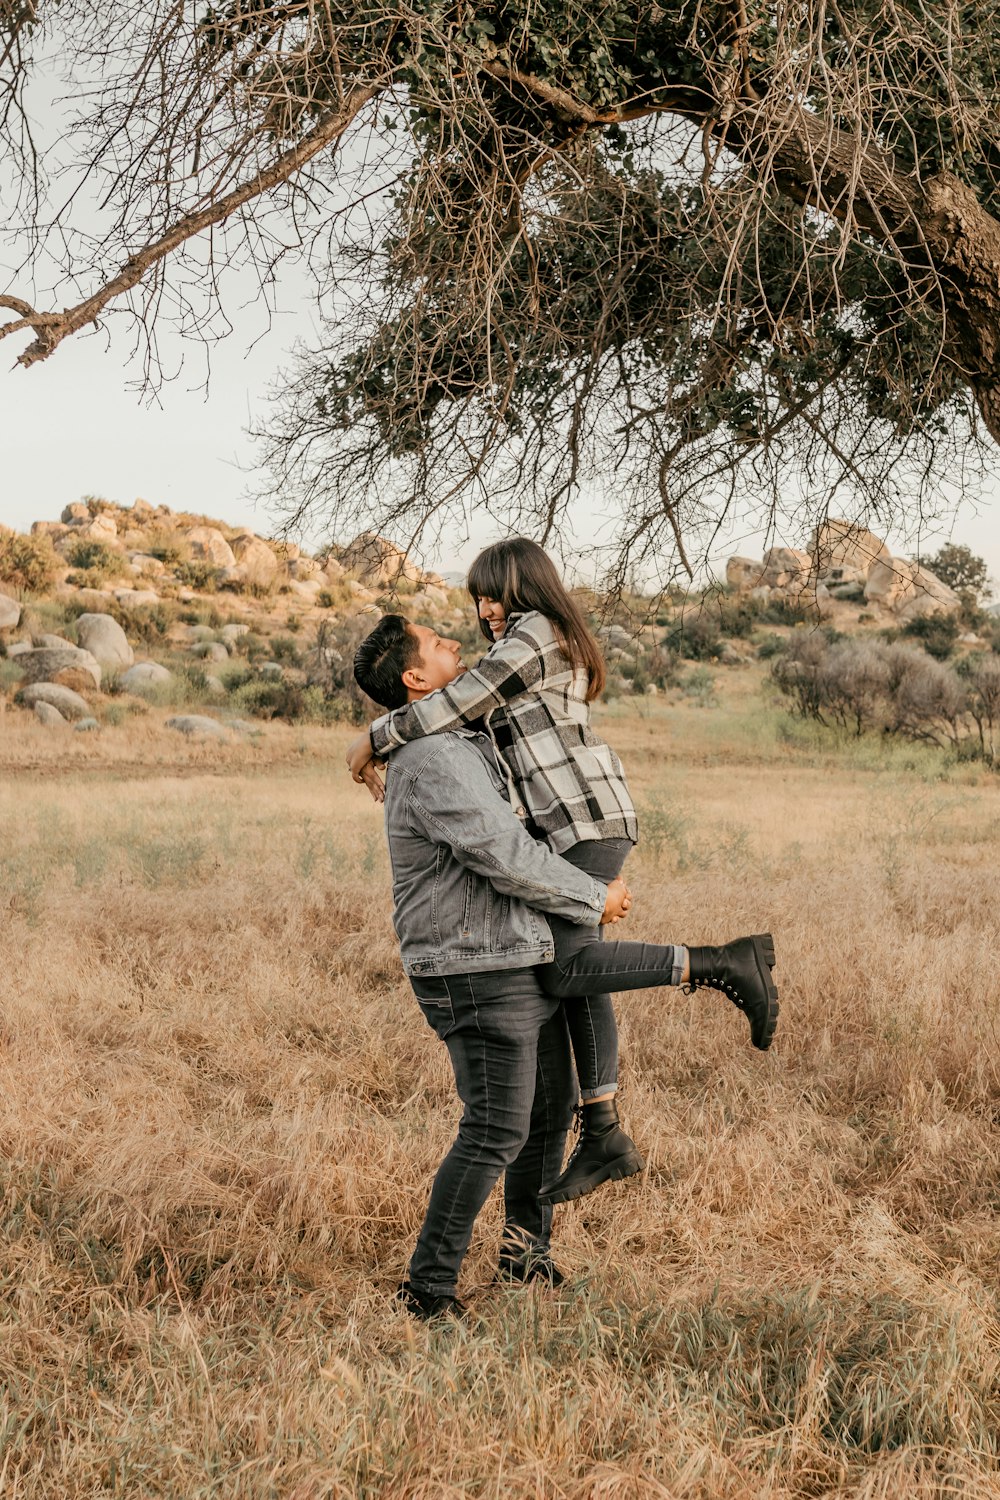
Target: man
pixel 470 885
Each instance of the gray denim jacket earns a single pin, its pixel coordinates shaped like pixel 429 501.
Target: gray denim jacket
pixel 469 882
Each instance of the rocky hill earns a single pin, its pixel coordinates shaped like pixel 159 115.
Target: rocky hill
pixel 111 609
pixel 844 564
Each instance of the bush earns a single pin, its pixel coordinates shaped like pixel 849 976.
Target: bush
pixel 196 574
pixel 694 636
pixel 893 688
pixel 95 558
pixel 27 562
pixel 938 634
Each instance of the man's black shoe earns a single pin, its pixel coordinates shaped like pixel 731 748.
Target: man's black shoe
pixel 522 1269
pixel 427 1305
pixel 741 970
pixel 604 1153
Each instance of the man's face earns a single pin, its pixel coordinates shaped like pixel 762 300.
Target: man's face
pixel 440 662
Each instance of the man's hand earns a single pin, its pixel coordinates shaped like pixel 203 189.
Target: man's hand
pixel 363 766
pixel 618 902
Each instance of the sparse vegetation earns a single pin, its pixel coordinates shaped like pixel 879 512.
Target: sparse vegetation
pixel 222 1110
pixel 893 688
pixel 27 562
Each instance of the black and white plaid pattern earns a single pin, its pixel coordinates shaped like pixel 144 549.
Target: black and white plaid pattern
pixel 534 703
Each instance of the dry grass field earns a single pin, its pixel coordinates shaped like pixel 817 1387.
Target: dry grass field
pixel 221 1111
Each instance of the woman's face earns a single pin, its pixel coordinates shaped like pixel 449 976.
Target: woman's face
pixel 493 613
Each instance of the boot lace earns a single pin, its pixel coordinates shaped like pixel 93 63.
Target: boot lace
pixel 715 984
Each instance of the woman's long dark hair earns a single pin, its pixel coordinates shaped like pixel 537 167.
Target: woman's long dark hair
pixel 520 576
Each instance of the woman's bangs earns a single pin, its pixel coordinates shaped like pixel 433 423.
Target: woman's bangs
pixel 488 575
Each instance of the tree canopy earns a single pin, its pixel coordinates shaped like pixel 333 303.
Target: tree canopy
pixel 672 256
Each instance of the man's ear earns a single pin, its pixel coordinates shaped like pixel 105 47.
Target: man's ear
pixel 413 680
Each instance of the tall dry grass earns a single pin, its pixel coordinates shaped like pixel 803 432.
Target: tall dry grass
pixel 221 1112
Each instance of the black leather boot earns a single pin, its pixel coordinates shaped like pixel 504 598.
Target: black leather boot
pixel 604 1153
pixel 427 1306
pixel 741 970
pixel 520 1270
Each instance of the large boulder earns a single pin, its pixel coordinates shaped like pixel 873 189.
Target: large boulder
pixel 909 590
pixel 53 642
pixel 376 561
pixel 63 700
pixel 304 569
pixel 145 677
pixel 10 612
pixel 49 716
pixel 840 544
pixel 75 513
pixel 104 638
pixel 68 666
pixel 209 545
pixel 254 556
pixel 787 568
pixel 743 573
pixel 195 724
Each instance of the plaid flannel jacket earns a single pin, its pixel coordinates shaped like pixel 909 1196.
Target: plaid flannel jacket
pixel 534 703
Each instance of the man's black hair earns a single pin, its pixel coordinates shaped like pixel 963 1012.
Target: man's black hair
pixel 383 656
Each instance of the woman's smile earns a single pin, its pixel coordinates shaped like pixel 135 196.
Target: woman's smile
pixel 493 613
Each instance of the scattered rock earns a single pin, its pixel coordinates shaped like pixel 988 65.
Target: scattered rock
pixel 18 648
pixel 86 725
pixel 743 573
pixel 68 705
pixel 304 568
pixel 308 589
pixel 68 666
pixel 377 561
pixel 210 651
pixel 135 597
pixel 54 642
pixel 98 601
pixel 787 568
pixel 46 714
pixel 104 638
pixel 209 545
pixel 145 676
pixel 10 612
pixel 244 726
pixel 254 556
pixel 77 511
pixel 909 590
pixel 142 562
pixel 271 669
pixel 234 632
pixel 193 724
pixel 215 686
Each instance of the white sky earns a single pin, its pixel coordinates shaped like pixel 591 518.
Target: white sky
pixel 73 425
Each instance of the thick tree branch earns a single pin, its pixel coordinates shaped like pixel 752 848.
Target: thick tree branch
pixel 51 328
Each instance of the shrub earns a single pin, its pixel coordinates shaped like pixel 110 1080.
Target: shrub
pixel 198 574
pixel 938 634
pixel 694 636
pixel 95 558
pixel 27 562
pixel 894 688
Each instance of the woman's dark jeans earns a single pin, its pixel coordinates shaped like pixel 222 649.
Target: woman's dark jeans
pixel 513 1070
pixel 585 968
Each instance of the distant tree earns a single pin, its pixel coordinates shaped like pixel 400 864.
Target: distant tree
pixel 960 568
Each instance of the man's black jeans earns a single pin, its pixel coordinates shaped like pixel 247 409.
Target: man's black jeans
pixel 510 1051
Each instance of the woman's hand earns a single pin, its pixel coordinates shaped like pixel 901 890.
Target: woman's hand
pixel 363 766
pixel 618 902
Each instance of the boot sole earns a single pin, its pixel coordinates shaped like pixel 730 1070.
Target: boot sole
pixel 764 1022
pixel 613 1171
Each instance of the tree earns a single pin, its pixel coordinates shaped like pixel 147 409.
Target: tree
pixel 693 253
pixel 960 568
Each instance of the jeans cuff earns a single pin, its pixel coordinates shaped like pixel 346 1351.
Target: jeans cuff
pixel 588 1095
